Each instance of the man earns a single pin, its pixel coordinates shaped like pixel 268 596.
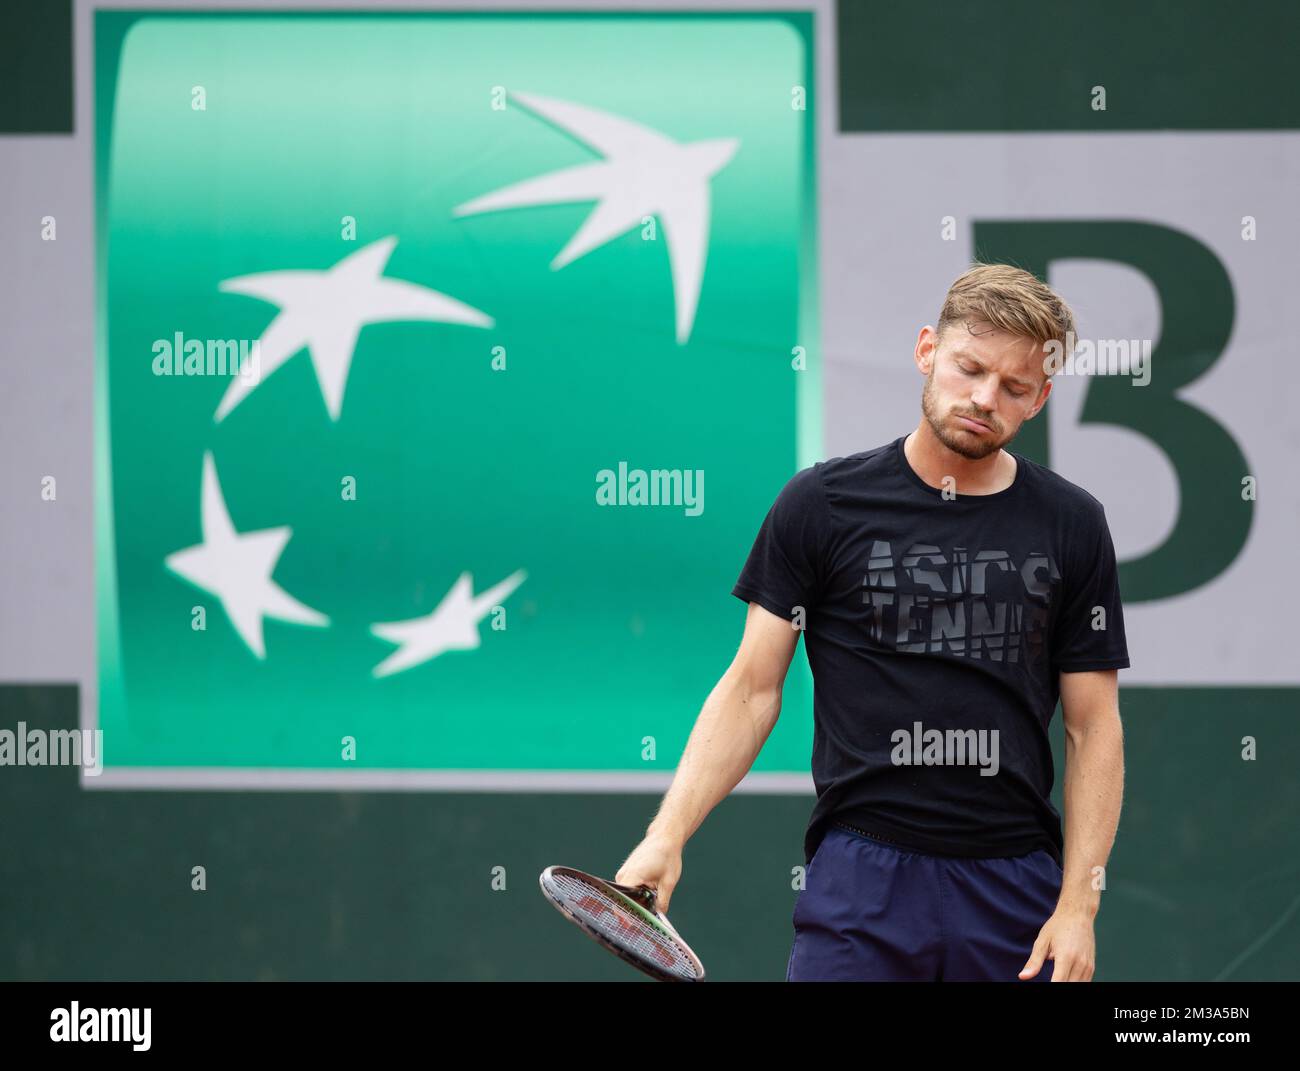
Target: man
pixel 949 592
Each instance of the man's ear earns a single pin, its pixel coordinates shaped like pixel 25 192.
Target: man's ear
pixel 1042 401
pixel 927 345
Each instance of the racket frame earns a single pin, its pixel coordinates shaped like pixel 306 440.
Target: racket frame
pixel 641 897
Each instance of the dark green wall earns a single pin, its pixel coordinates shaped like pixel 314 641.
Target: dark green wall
pixel 1029 65
pixel 95 885
pixel 36 67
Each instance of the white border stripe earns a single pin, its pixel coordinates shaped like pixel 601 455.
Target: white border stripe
pixel 204 778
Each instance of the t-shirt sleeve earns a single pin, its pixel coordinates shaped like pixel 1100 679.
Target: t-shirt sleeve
pixel 1089 632
pixel 786 565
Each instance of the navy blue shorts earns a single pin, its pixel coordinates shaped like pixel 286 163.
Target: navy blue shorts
pixel 870 912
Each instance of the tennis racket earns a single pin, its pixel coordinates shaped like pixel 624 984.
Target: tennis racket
pixel 624 920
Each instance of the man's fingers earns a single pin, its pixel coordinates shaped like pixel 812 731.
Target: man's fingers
pixel 1036 957
pixel 1076 969
pixel 1067 968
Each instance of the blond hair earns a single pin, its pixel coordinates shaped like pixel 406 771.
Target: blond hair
pixel 1013 300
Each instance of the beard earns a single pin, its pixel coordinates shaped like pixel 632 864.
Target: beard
pixel 956 438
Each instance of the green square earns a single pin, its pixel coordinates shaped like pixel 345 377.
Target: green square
pixel 232 146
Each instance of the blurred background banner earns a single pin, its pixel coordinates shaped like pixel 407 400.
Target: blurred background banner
pixel 492 362
pixel 591 442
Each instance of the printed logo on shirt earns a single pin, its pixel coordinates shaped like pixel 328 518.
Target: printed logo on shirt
pixel 984 604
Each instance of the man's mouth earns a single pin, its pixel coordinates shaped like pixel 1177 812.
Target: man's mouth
pixel 973 424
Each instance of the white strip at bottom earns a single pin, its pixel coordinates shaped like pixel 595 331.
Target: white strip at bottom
pixel 204 778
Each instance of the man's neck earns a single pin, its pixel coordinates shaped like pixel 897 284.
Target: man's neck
pixel 934 463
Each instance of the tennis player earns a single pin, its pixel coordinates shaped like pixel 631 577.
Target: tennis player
pixel 949 592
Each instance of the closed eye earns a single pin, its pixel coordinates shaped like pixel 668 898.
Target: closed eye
pixel 975 371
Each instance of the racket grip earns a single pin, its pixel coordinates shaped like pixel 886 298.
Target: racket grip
pixel 643 893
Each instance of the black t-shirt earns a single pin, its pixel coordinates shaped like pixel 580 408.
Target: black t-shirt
pixel 935 628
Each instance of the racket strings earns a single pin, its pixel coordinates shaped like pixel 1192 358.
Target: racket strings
pixel 623 926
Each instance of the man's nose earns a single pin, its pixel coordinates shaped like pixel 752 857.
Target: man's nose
pixel 983 398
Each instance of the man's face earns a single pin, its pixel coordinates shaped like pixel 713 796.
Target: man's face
pixel 982 385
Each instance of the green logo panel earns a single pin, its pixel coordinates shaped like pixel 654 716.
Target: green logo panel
pixel 471 264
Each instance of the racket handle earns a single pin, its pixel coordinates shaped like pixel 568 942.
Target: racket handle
pixel 643 893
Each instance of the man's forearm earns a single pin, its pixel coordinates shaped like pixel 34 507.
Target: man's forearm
pixel 730 731
pixel 1094 793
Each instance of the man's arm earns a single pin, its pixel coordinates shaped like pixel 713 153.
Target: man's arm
pixel 1094 780
pixel 729 732
pixel 1094 792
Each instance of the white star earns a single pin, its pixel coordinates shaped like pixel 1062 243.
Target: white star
pixel 237 568
pixel 644 173
pixel 453 626
pixel 326 310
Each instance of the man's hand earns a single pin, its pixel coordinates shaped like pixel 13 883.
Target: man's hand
pixel 656 862
pixel 1067 939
